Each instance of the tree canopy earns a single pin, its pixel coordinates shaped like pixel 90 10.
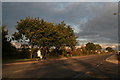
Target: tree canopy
pixel 98 47
pixel 109 49
pixel 92 46
pixel 45 34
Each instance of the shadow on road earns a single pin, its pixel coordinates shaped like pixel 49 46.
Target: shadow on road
pixel 69 68
pixel 104 70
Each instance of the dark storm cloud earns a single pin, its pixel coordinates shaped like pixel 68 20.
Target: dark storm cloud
pixel 13 12
pixel 102 28
pixel 91 21
pixel 71 13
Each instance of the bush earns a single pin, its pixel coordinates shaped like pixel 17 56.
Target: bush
pixel 119 57
pixel 55 53
pixel 24 54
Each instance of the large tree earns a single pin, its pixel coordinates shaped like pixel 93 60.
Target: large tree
pixel 45 34
pixel 90 46
pixel 66 36
pixel 109 49
pixel 98 47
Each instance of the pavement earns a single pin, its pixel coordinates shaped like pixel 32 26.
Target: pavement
pixel 113 59
pixel 71 67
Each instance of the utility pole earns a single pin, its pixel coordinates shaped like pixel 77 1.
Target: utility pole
pixel 118 15
pixel 119 25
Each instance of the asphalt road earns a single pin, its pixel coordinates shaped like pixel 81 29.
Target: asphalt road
pixel 92 66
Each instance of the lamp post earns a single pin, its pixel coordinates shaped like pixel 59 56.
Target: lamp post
pixel 118 25
pixel 118 14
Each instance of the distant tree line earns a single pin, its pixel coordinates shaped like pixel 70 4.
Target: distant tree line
pixel 92 48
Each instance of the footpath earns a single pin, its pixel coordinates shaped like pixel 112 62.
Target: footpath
pixel 113 59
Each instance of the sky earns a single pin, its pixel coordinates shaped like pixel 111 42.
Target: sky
pixel 59 0
pixel 91 21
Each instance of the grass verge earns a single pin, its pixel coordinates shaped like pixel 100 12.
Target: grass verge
pixel 60 56
pixel 15 60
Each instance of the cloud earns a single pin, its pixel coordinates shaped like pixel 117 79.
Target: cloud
pixel 60 0
pixel 91 21
pixel 71 13
pixel 103 27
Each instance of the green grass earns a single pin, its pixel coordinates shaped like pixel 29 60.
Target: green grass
pixel 50 57
pixel 15 60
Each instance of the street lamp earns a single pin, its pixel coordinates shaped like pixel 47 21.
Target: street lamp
pixel 118 14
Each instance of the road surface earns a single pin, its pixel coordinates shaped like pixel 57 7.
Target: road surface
pixel 92 66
